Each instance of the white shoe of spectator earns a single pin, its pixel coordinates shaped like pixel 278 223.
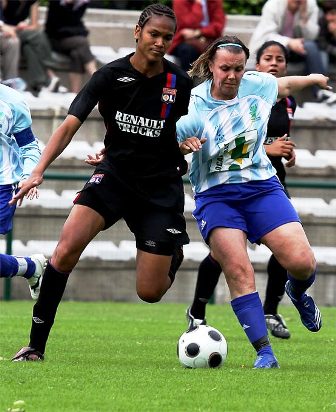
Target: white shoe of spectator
pixel 326 96
pixel 55 86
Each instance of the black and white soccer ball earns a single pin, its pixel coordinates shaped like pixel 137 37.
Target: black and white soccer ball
pixel 202 347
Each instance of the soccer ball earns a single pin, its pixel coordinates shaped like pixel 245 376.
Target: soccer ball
pixel 202 347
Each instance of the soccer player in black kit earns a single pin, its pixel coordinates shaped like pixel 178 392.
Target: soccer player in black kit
pixel 140 98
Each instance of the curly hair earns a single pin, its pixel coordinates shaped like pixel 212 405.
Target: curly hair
pixel 200 67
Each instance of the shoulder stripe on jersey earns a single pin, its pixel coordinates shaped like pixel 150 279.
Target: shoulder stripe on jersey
pixel 170 83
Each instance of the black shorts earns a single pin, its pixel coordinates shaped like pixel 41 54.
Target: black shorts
pixel 157 229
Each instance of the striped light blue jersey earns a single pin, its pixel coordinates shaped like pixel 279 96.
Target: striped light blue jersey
pixel 19 150
pixel 235 131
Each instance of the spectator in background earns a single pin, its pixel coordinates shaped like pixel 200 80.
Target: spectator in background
pixel 327 35
pixel 199 23
pixel 22 16
pixel 9 50
pixel 68 35
pixel 294 23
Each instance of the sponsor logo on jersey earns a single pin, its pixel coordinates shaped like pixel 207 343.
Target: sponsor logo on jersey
pixel 168 95
pixel 130 123
pixel 173 231
pixel 270 140
pixel 125 79
pixel 97 178
pixel 235 113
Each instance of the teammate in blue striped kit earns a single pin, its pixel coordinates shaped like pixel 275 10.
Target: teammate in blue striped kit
pixel 237 194
pixel 19 154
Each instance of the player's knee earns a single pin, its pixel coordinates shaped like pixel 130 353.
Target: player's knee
pixel 239 272
pixel 64 257
pixel 303 265
pixel 149 296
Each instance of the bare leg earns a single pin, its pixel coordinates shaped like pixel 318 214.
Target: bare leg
pixel 90 67
pixel 291 248
pixel 81 226
pixel 152 280
pixel 75 80
pixel 230 250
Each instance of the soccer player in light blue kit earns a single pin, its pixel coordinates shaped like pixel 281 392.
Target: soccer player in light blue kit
pixel 237 193
pixel 19 154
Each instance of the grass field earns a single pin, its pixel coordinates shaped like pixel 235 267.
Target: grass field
pixel 122 357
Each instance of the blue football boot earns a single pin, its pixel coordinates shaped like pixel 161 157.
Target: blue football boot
pixel 309 312
pixel 266 361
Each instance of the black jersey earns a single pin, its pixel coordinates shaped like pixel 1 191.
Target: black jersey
pixel 140 115
pixel 278 125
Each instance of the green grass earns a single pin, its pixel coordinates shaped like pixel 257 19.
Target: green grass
pixel 122 357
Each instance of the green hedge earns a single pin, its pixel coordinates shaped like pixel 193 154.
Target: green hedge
pixel 247 7
pixel 230 6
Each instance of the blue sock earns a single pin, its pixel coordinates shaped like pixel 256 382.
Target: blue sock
pixel 250 314
pixel 298 287
pixel 16 266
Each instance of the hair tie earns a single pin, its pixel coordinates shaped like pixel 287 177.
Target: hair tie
pixel 229 44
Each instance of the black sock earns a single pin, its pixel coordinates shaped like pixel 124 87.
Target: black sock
pixel 44 311
pixel 275 289
pixel 176 262
pixel 208 274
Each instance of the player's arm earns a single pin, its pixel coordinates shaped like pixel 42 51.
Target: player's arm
pixel 187 130
pixel 290 84
pixel 57 143
pixel 30 154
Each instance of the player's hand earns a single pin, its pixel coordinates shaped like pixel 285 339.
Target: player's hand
pixel 291 159
pixel 192 144
pixel 280 147
pixel 320 80
pixel 27 188
pixel 95 159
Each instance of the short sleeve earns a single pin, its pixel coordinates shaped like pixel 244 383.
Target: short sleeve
pixel 21 117
pixel 89 96
pixel 264 85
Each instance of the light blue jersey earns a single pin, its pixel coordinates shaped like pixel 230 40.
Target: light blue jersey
pixel 235 131
pixel 19 150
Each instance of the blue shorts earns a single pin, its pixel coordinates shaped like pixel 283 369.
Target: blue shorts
pixel 6 211
pixel 255 207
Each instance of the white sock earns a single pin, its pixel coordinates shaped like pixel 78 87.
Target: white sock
pixel 23 266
